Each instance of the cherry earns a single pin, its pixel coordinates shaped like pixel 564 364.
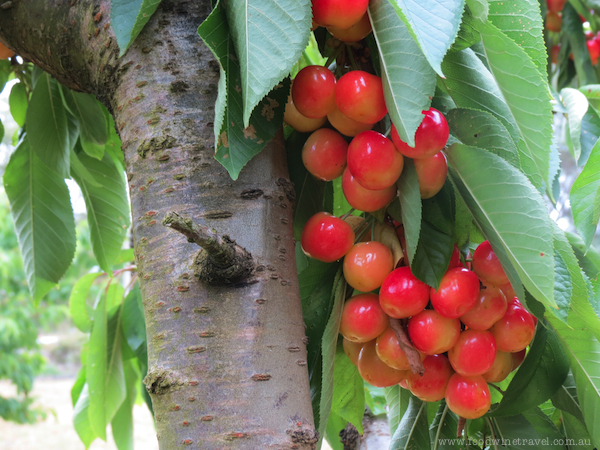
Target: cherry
pixel 338 13
pixel 431 387
pixel 500 369
pixel 359 95
pixel 517 358
pixel 362 318
pixel 487 265
pixel 432 333
pixel 374 371
pixel 352 350
pixel 490 307
pixel 365 199
pixel 593 46
pixel 389 350
pixel 402 294
pixel 346 125
pixel 431 136
pixel 553 21
pixel 473 353
pixel 515 330
pixel 458 292
pixel 556 5
pixel 373 160
pixel 326 237
pixel 313 92
pixel 355 33
pixel 367 264
pixel 468 397
pixel 324 154
pixel 432 172
pixel 297 121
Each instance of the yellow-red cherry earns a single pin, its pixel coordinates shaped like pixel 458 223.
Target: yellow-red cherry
pixel 431 136
pixel 362 318
pixel 473 353
pixel 487 265
pixel 457 293
pixel 338 13
pixel 359 95
pixel 468 397
pixel 324 154
pixel 432 172
pixel 367 264
pixel 374 371
pixel 431 386
pixel 313 91
pixel 326 237
pixel 363 199
pixel 432 333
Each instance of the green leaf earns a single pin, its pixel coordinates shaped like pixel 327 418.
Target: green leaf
pixel 413 431
pixel 81 421
pixel 107 208
pixel 269 37
pixel 592 93
pixel 78 302
pixel 585 197
pixel 410 202
pixel 408 79
pixel 576 432
pixel 520 20
pixel 348 390
pixel 433 24
pixel 442 430
pixel 328 349
pixel 519 231
pixel 526 92
pixel 92 122
pixel 538 378
pixel 521 432
pixel 134 325
pixel 563 287
pixel 335 425
pixel 128 17
pixel 397 400
pixel 80 171
pixel 104 365
pixel 41 208
pixel 236 144
pixel 566 398
pixel 573 31
pixel 479 8
pixel 78 385
pixel 471 85
pixel 122 423
pixel 590 132
pixel 576 105
pixel 467 34
pixel 582 349
pixel 47 125
pixel 590 260
pixel 18 103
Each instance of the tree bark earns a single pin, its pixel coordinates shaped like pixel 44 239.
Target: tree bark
pixel 227 363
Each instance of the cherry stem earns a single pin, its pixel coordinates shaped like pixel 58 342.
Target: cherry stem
pixel 461 426
pixel 491 425
pixel 334 55
pixel 351 56
pixel 496 387
pixel 345 216
pixel 361 230
pixel 413 356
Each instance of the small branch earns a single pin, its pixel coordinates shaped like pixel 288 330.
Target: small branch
pixel 221 260
pixel 413 356
pixel 461 426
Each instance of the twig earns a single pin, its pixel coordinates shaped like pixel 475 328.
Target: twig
pixel 413 356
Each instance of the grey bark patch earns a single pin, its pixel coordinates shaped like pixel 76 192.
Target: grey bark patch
pixel 156 144
pixel 178 86
pixel 251 194
pixel 160 381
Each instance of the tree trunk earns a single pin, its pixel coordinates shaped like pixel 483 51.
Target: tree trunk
pixel 227 363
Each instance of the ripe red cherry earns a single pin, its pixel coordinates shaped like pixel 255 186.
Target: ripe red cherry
pixel 362 318
pixel 355 33
pixel 555 5
pixel 432 333
pixel 473 353
pixel 326 237
pixel 374 371
pixel 490 307
pixel 324 154
pixel 500 369
pixel 346 125
pixel 515 330
pixel 365 199
pixel 352 350
pixel 458 293
pixel 367 264
pixel 373 160
pixel 297 121
pixel 593 46
pixel 359 95
pixel 431 136
pixel 553 21
pixel 313 92
pixel 487 265
pixel 455 258
pixel 432 172
pixel 389 350
pixel 468 397
pixel 402 294
pixel 338 13
pixel 431 387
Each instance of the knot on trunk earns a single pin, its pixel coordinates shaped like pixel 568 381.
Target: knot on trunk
pixel 221 261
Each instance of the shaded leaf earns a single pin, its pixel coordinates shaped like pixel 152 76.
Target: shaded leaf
pixel 566 398
pixel 348 390
pixel 81 421
pixel 128 17
pixel 122 423
pixel 17 101
pixel 78 302
pixel 413 431
pixel 573 32
pixel 397 399
pixel 410 202
pixel 92 122
pixel 442 430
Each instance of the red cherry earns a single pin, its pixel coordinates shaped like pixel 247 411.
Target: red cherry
pixel 313 92
pixel 355 33
pixel 352 350
pixel 487 265
pixel 455 258
pixel 338 13
pixel 515 330
pixel 362 318
pixel 473 353
pixel 431 387
pixel 365 199
pixel 458 293
pixel 500 369
pixel 389 350
pixel 556 5
pixel 373 160
pixel 490 307
pixel 346 125
pixel 374 371
pixel 326 237
pixel 367 264
pixel 468 397
pixel 324 154
pixel 553 21
pixel 359 95
pixel 593 46
pixel 297 121
pixel 431 333
pixel 432 172
pixel 402 294
pixel 431 136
